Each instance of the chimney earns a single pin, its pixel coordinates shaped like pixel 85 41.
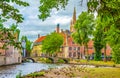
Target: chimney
pixel 38 35
pixel 57 29
pixel 61 30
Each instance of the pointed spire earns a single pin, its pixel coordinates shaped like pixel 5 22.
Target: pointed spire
pixel 74 16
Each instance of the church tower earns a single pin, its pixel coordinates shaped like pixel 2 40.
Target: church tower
pixel 73 21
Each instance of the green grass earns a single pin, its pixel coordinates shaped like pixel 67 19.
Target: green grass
pixel 35 74
pixel 96 63
pixel 102 73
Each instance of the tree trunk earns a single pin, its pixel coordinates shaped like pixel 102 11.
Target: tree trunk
pixel 84 52
pixel 105 58
pixel 87 52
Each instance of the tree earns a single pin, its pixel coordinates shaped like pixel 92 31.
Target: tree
pixel 15 31
pixel 7 37
pixel 52 43
pixel 109 12
pixel 114 40
pixel 83 29
pixel 46 7
pixel 28 45
pixel 8 11
pixel 98 40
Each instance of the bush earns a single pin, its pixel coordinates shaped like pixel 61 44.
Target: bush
pixel 36 74
pixel 42 59
pixel 19 75
pixel 60 61
pixel 48 60
pixel 45 60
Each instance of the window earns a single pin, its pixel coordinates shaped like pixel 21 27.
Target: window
pixel 102 54
pixel 70 48
pixel 70 54
pixel 90 47
pixel 78 48
pixel 74 54
pixel 74 48
pixel 73 43
pixel 78 53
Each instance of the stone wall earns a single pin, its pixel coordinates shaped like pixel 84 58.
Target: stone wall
pixel 10 60
pixel 2 60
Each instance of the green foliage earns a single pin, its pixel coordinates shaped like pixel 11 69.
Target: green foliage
pixel 60 61
pixel 45 60
pixel 48 60
pixel 9 11
pixel 46 7
pixel 84 28
pixel 52 43
pixel 19 75
pixel 116 54
pixel 36 74
pixel 109 13
pixel 28 45
pixel 7 36
pixel 98 40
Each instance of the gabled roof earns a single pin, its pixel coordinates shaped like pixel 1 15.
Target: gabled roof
pixel 40 39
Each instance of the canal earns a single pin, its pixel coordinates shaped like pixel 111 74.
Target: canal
pixel 25 68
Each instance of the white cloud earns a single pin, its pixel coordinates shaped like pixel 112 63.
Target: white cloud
pixel 62 20
pixel 32 25
pixel 31 32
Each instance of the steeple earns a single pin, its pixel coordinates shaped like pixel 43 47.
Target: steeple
pixel 74 16
pixel 73 21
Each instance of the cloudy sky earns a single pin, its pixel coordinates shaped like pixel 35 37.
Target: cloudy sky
pixel 32 25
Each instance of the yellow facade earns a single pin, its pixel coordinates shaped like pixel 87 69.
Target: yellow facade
pixel 36 51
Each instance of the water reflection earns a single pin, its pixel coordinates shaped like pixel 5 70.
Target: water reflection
pixel 25 68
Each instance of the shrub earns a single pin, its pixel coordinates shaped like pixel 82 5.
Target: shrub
pixel 60 61
pixel 48 60
pixel 36 74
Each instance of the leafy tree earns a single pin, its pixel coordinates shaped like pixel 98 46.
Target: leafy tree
pixel 7 37
pixel 28 45
pixel 83 29
pixel 9 11
pixel 15 31
pixel 116 53
pixel 114 40
pixel 107 10
pixel 52 43
pixel 46 7
pixel 98 40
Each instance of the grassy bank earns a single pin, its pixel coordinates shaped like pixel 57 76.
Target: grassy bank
pixel 77 72
pixel 96 63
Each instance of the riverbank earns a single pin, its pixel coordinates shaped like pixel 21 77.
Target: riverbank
pixel 77 71
pixel 83 62
pixel 10 64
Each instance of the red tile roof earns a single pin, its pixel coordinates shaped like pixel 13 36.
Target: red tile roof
pixel 40 39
